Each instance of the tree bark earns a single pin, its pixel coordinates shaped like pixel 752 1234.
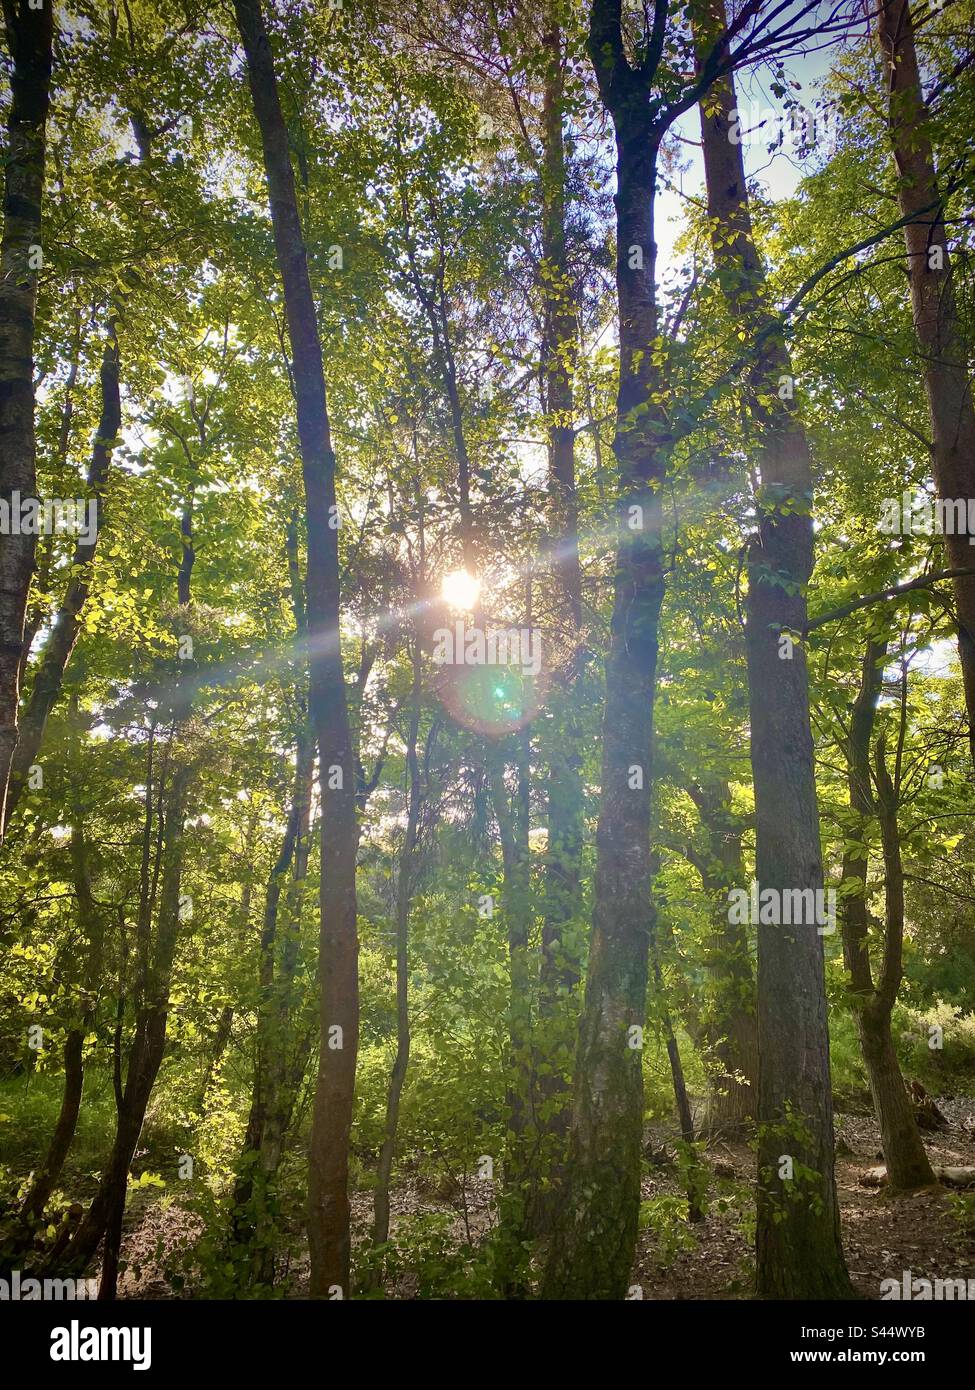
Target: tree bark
pixel 404 892
pixel 593 1245
pixel 562 883
pixel 941 337
pixel 729 1025
pixel 563 896
pixel 277 1043
pixel 798 1233
pixel 681 1100
pixel 30 35
pixel 908 1166
pixel 328 1195
pixel 517 1203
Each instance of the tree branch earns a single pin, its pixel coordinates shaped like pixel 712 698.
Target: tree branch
pixel 893 591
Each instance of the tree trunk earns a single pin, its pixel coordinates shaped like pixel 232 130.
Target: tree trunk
pixel 798 1233
pixel 730 1023
pixel 563 896
pixel 562 730
pixel 154 969
pixel 404 891
pixel 147 1054
pixel 328 1195
pixel 732 1106
pixel 37 609
pixel 594 1243
pixel 90 922
pixel 104 1215
pixel 272 1099
pixel 684 1115
pixel 907 1162
pixel 940 335
pixel 30 34
pixel 48 678
pixel 517 1199
pixel 908 1165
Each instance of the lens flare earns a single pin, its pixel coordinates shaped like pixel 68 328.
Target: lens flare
pixel 491 701
pixel 460 589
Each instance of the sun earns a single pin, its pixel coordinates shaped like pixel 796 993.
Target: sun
pixel 460 589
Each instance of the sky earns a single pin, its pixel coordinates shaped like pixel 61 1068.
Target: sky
pixel 778 173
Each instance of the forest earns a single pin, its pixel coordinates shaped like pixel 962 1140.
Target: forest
pixel 487 650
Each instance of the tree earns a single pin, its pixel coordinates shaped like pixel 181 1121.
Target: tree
pixel 328 1220
pixel 593 1246
pixel 907 1163
pixel 941 338
pixel 798 1233
pixel 29 32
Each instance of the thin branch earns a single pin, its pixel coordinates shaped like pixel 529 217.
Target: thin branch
pixel 893 591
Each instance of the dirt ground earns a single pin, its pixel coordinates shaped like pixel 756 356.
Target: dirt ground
pixel 882 1235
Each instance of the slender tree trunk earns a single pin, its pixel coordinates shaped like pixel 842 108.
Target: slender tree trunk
pixel 47 1176
pixel 945 351
pixel 517 1198
pixel 731 1021
pixel 404 891
pixel 282 1042
pixel 146 1056
pixel 29 34
pixel 798 1232
pixel 90 922
pixel 272 1099
pixel 48 678
pixel 562 730
pixel 908 1166
pixel 37 609
pixel 104 1215
pixel 155 957
pixel 328 1194
pixel 563 894
pixel 593 1245
pixel 681 1100
pixel 684 1114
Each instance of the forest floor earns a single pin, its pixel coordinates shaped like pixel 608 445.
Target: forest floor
pixel 930 1233
pixel 883 1236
